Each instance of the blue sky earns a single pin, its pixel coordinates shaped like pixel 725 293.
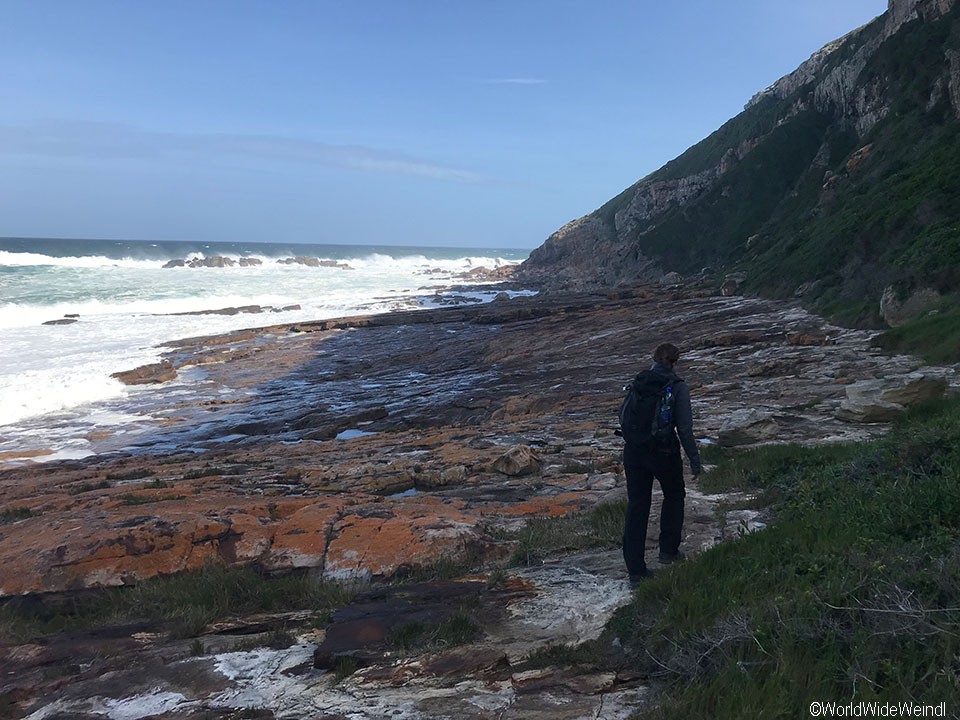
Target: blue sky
pixel 483 124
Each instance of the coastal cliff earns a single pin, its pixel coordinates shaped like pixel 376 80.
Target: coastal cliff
pixel 833 184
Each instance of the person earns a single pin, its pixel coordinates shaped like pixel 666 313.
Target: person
pixel 642 464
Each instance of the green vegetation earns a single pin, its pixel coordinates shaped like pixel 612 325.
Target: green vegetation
pixel 183 604
pixel 715 228
pixel 458 629
pixel 588 656
pixel 345 666
pixel 935 336
pixel 9 515
pixel 445 567
pixel 134 474
pixel 156 485
pixel 756 121
pixel 893 218
pixel 816 203
pixel 548 537
pixel 887 226
pixel 87 487
pixel 853 592
pixel 135 499
pixel 207 470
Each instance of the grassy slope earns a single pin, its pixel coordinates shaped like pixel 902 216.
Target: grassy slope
pixel 854 591
pixel 935 336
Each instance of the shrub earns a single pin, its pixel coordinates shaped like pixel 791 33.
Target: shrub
pixel 9 515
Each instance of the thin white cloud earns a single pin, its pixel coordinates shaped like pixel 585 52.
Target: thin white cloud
pixel 106 141
pixel 515 81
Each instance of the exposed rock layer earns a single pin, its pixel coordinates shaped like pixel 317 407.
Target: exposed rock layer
pixel 361 446
pixel 431 408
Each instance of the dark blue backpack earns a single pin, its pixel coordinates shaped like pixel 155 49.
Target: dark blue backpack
pixel 646 413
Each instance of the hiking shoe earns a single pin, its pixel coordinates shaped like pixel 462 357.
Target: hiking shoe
pixel 671 558
pixel 637 578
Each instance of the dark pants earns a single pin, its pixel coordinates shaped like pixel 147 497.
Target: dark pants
pixel 641 468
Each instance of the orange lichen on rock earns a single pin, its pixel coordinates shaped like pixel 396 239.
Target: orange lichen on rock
pixel 549 506
pixel 376 542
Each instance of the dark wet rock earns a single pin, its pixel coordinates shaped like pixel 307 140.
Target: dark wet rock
pixel 481 273
pixel 62 321
pixel 214 261
pixel 442 299
pixel 335 264
pixel 369 627
pixel 322 427
pixel 318 417
pixel 265 426
pixel 250 262
pixel 243 309
pixel 301 260
pixel 155 373
pixel 175 263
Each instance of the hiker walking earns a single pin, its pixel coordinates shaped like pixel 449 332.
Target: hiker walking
pixel 655 421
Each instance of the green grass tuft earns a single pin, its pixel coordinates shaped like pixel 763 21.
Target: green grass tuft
pixel 87 487
pixel 541 538
pixel 134 474
pixel 137 499
pixel 935 336
pixel 460 628
pixel 13 514
pixel 183 604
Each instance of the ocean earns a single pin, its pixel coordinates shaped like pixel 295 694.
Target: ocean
pixel 115 303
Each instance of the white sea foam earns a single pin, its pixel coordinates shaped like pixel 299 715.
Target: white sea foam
pixel 14 259
pixel 372 261
pixel 126 312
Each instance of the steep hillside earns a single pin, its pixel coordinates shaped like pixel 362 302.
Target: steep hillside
pixel 837 183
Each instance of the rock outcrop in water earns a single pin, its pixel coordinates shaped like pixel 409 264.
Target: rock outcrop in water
pixel 222 261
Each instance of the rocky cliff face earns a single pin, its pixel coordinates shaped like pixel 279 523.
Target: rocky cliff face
pixel 765 173
pixel 836 87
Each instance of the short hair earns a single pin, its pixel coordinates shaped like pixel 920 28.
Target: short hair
pixel 666 354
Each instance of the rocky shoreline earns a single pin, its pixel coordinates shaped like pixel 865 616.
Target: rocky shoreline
pixel 360 448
